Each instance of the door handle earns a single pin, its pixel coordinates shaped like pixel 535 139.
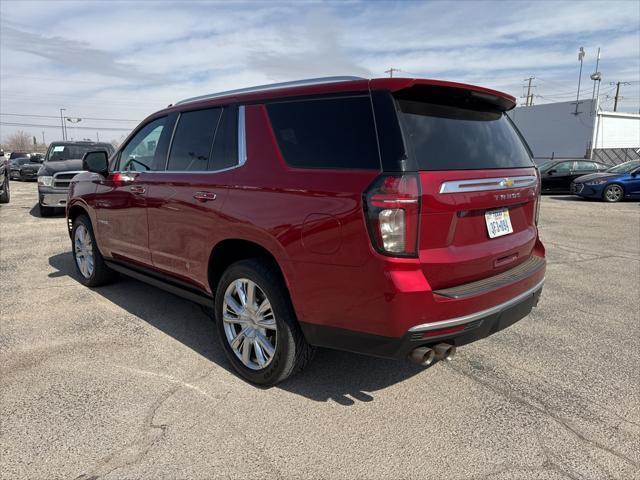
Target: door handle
pixel 204 196
pixel 139 189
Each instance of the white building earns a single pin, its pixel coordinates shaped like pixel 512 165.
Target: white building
pixel 555 130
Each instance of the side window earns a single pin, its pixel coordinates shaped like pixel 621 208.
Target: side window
pixel 582 166
pixel 326 133
pixel 563 167
pixel 193 140
pixel 140 152
pixel 225 146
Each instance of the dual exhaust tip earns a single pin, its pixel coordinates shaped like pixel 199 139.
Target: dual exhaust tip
pixel 425 356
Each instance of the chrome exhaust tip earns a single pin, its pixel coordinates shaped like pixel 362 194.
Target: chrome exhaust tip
pixel 422 356
pixel 444 351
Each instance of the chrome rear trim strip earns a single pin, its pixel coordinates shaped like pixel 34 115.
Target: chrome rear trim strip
pixel 425 327
pixel 484 184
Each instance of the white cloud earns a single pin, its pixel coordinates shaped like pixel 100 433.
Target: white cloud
pixel 125 60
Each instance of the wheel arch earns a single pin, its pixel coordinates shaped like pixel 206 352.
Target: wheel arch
pixel 73 212
pixel 232 250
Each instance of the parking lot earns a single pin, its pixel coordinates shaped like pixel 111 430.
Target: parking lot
pixel 128 381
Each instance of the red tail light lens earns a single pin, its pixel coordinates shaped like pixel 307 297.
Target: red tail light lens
pixel 538 197
pixel 392 209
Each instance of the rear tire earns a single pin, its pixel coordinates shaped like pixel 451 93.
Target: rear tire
pixel 87 258
pixel 613 193
pixel 6 193
pixel 238 311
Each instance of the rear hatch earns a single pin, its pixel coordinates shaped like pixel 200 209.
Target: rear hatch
pixel 479 188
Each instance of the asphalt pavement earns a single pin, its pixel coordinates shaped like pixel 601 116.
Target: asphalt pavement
pixel 127 381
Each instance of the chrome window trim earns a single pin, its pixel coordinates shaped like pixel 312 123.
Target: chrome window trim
pixel 272 86
pixel 486 184
pixel 452 322
pixel 242 137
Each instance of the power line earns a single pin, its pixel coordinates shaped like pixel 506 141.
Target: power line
pixel 39 125
pixel 56 117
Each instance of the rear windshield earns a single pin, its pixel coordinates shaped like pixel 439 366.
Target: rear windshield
pixel 446 137
pixel 72 152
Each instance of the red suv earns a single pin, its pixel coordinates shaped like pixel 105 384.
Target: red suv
pixel 393 217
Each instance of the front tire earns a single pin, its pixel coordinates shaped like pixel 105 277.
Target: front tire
pixel 613 193
pixel 87 258
pixel 256 323
pixel 45 211
pixel 6 193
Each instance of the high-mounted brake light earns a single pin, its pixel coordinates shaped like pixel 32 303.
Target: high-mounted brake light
pixel 392 208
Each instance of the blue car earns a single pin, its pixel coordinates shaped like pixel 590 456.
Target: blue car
pixel 613 185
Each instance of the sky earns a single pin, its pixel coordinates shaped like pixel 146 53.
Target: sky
pixel 111 64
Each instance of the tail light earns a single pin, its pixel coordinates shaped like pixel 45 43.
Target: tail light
pixel 392 209
pixel 538 197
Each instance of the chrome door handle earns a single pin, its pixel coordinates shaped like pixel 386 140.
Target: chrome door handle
pixel 137 189
pixel 204 196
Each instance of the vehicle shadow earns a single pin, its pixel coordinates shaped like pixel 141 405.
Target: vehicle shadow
pixel 35 212
pixel 343 377
pixel 568 197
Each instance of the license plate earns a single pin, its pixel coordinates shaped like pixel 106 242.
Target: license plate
pixel 498 222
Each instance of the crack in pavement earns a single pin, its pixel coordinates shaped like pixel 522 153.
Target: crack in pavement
pixel 545 411
pixel 151 434
pixel 136 451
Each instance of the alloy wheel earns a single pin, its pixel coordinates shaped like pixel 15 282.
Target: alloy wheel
pixel 249 323
pixel 83 248
pixel 613 193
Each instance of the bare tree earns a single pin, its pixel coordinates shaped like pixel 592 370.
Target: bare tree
pixel 19 142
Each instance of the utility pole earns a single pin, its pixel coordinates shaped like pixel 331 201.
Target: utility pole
pixel 580 57
pixel 618 97
pixel 529 100
pixel 64 136
pixel 391 70
pixel 98 136
pixel 43 142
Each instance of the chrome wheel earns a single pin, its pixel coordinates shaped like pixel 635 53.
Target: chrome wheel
pixel 613 193
pixel 249 323
pixel 83 248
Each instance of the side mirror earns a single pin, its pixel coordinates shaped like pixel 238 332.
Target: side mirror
pixel 96 162
pixel 551 172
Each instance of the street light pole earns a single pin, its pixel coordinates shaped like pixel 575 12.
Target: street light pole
pixel 580 57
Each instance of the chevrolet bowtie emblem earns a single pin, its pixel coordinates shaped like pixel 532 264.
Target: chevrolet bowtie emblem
pixel 506 182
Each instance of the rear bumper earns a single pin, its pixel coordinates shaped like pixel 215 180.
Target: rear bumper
pixel 455 331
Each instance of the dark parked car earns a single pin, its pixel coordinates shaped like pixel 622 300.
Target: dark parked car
pixel 613 185
pixel 62 162
pixel 557 175
pixel 393 217
pixel 29 170
pixel 5 188
pixel 15 164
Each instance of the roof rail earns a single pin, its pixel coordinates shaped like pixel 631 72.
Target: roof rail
pixel 272 86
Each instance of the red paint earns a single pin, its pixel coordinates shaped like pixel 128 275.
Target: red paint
pixel 314 225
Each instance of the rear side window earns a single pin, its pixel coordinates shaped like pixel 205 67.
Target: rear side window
pixel 447 137
pixel 193 140
pixel 225 147
pixel 326 133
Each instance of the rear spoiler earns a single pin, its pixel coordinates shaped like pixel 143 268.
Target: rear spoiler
pixel 425 88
